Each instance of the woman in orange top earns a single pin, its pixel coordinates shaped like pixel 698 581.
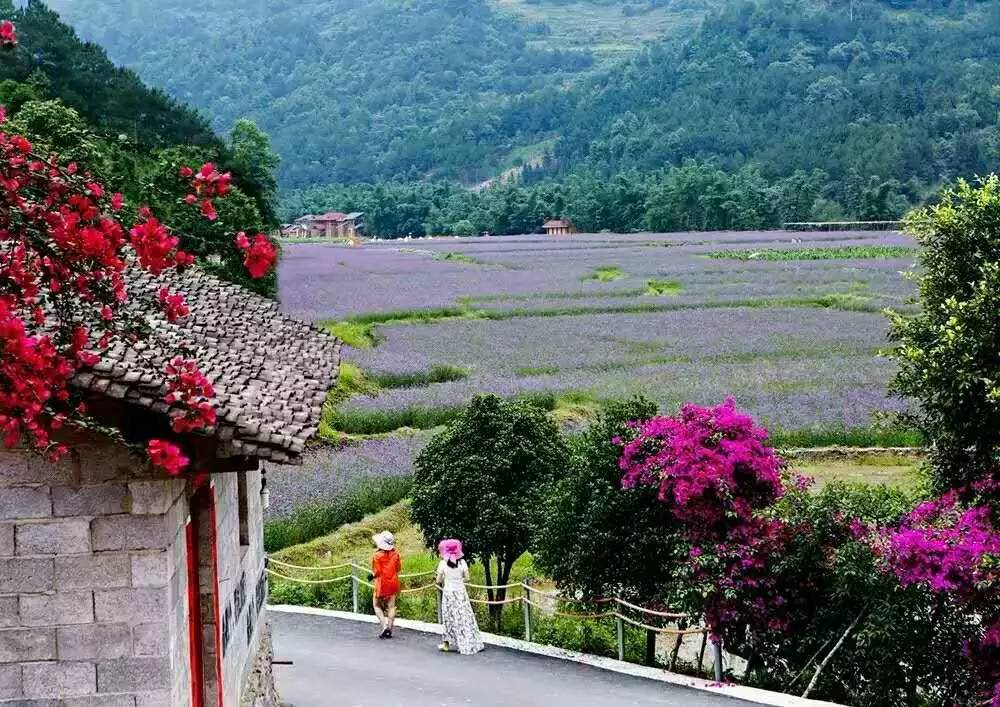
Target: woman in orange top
pixel 385 571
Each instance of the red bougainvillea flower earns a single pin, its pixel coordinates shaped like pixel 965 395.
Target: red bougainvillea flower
pixel 173 305
pixel 117 201
pixel 259 255
pixel 8 34
pixel 156 248
pixel 188 388
pixel 166 456
pixel 208 210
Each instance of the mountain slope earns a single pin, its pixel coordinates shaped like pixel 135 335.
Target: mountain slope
pixel 110 98
pixel 366 90
pixel 800 85
pixel 349 89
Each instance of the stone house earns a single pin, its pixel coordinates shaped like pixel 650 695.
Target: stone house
pixel 558 227
pixel 120 586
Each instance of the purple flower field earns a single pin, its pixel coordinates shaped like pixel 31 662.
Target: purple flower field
pixel 795 341
pixel 323 281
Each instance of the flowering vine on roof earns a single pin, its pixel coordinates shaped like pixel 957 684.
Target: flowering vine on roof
pixel 64 296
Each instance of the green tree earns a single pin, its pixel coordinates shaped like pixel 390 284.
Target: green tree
pixel 54 127
pixel 949 354
pixel 211 241
pixel 484 480
pixel 597 539
pixel 255 164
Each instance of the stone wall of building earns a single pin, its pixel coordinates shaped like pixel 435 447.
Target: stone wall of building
pixel 242 581
pixel 92 578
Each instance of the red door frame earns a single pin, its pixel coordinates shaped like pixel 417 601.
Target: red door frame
pixel 195 633
pixel 202 499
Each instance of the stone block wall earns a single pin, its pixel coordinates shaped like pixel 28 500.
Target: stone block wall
pixel 92 582
pixel 242 587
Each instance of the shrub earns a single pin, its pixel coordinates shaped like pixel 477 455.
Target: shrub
pixel 949 353
pixel 595 537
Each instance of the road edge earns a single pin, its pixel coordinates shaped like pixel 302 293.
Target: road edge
pixel 741 692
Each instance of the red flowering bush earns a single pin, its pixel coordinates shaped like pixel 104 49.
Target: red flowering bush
pixel 63 294
pixel 188 388
pixel 167 456
pixel 8 37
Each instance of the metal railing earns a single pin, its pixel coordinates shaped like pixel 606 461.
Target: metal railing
pixel 842 225
pixel 529 597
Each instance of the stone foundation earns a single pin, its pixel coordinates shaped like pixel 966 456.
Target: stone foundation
pixel 260 690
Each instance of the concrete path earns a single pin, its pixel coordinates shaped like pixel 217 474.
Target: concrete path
pixel 340 663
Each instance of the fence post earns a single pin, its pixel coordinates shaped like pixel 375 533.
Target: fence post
pixel 650 648
pixel 717 659
pixel 354 588
pixel 620 630
pixel 525 602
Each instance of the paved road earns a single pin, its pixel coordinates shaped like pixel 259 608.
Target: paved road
pixel 340 663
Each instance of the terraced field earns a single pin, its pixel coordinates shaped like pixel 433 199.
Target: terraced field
pixel 790 324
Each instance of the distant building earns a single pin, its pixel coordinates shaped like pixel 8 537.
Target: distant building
pixel 558 227
pixel 329 225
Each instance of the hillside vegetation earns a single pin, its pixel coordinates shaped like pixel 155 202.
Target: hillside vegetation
pixel 68 98
pixel 349 89
pixel 360 91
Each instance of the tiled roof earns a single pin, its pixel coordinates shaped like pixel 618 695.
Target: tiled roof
pixel 270 372
pixel 555 223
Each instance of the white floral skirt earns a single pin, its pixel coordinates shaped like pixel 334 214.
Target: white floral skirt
pixel 461 632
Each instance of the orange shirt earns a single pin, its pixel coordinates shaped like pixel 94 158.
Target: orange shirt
pixel 385 567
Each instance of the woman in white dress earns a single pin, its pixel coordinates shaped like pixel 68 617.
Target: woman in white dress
pixel 461 632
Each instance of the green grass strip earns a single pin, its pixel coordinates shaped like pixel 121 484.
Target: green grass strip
pixel 441 373
pixel 833 253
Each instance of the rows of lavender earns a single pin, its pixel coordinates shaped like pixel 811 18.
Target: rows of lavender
pixel 796 342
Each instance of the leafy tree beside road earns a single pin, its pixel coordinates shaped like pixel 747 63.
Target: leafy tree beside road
pixel 484 480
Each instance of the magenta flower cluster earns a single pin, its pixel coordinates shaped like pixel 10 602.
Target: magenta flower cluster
pixel 711 465
pixel 714 470
pixel 945 547
pixel 951 546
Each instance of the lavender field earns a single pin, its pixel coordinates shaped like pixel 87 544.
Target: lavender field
pixel 794 337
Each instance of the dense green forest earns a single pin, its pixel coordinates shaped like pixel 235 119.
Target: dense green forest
pixel 69 99
pixel 777 109
pixel 350 90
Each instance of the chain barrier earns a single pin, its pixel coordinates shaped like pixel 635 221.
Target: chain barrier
pixel 358 572
pixel 526 589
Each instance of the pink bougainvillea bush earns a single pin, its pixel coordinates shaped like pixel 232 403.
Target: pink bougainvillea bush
pixel 64 297
pixel 781 571
pixel 950 545
pixel 717 475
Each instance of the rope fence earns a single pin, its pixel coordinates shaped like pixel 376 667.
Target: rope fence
pixel 526 598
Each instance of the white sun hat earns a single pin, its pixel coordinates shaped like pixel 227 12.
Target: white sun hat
pixel 384 540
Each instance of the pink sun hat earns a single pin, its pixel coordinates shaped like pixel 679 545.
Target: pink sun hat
pixel 450 549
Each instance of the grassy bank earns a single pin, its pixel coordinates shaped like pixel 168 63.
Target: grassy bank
pixel 318 519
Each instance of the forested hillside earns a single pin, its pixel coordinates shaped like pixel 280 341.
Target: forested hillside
pixel 68 99
pixel 864 107
pixel 349 89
